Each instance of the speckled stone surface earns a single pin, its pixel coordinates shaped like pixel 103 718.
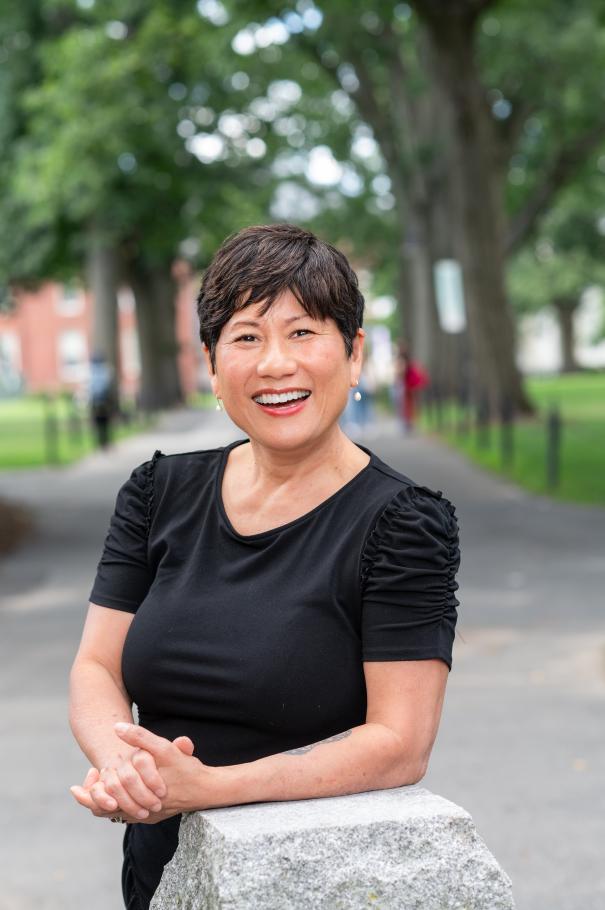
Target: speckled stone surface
pixel 400 849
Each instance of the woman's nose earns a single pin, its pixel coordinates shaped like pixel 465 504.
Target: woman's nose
pixel 275 360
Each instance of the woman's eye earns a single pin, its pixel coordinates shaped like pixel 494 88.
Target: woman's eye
pixel 246 338
pixel 304 331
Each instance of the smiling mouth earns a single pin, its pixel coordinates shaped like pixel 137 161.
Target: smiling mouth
pixel 282 399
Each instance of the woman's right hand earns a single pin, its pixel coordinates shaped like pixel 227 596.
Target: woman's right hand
pixel 131 783
pixel 123 776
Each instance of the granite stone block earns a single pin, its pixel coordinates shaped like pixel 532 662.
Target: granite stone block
pixel 399 849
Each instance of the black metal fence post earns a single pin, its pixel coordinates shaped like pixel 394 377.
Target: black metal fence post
pixel 74 424
pixel 507 427
pixel 463 415
pixel 482 423
pixel 438 409
pixel 553 448
pixel 51 432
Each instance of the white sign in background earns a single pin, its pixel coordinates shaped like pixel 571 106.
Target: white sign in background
pixel 449 291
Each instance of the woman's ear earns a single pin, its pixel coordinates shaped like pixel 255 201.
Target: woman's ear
pixel 211 373
pixel 356 359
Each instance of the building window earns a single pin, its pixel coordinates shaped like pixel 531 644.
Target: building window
pixel 73 356
pixel 126 302
pixel 69 300
pixel 129 352
pixel 10 363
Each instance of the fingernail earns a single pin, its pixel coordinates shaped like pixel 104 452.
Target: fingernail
pixel 161 791
pixel 143 813
pixel 121 727
pixel 157 807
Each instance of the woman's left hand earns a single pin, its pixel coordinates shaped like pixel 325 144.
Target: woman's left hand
pixel 82 794
pixel 189 783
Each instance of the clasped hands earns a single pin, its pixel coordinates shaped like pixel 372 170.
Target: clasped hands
pixel 157 780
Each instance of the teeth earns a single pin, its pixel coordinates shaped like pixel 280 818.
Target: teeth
pixel 281 398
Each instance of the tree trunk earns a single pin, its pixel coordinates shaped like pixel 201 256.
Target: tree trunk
pixel 395 127
pixel 565 309
pixel 421 307
pixel 477 207
pixel 450 365
pixel 154 291
pixel 404 288
pixel 102 275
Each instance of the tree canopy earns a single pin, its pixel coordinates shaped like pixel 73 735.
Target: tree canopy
pixel 158 128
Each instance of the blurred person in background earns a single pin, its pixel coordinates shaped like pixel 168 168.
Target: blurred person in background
pixel 410 378
pixel 358 415
pixel 101 399
pixel 281 609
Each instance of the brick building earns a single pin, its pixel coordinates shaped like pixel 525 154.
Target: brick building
pixel 46 340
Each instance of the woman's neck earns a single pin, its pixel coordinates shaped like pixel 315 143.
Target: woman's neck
pixel 335 456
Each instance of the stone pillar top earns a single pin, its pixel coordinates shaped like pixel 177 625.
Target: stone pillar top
pixel 398 849
pixel 400 804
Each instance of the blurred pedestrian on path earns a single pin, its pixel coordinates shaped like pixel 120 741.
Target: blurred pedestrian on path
pixel 410 378
pixel 101 399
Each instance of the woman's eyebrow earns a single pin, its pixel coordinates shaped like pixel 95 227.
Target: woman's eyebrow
pixel 241 322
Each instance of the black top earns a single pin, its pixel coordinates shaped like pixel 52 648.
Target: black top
pixel 254 644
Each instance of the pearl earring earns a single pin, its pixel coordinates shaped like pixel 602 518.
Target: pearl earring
pixel 219 406
pixel 357 395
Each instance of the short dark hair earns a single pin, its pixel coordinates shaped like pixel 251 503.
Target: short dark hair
pixel 264 260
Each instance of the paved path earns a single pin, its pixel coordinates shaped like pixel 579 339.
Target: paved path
pixel 521 744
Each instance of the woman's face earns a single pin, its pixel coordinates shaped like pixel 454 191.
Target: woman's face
pixel 286 353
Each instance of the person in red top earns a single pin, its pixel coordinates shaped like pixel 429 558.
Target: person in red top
pixel 411 377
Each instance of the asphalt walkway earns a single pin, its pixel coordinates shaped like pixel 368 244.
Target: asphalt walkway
pixel 521 743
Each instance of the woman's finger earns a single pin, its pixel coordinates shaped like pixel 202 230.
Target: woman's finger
pixel 130 782
pixel 145 764
pixel 184 744
pixel 138 736
pixel 101 798
pixel 116 797
pixel 91 777
pixel 84 798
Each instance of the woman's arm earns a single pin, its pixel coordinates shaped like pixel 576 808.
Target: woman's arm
pixel 98 700
pixel 390 750
pixel 404 701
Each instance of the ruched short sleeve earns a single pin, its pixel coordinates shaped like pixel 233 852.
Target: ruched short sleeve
pixel 408 575
pixel 123 574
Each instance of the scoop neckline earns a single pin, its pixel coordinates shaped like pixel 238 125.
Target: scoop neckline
pixel 271 531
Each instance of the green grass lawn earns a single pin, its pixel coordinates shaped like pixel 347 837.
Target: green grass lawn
pixel 580 398
pixel 34 432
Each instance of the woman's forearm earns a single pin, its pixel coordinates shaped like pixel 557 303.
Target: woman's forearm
pixel 368 757
pixel 96 703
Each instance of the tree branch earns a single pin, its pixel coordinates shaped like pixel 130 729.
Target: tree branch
pixel 561 170
pixel 441 15
pixel 372 112
pixel 507 133
pixel 368 106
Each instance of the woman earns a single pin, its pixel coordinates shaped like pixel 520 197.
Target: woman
pixel 282 609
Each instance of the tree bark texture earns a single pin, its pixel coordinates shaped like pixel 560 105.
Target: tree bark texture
pixel 477 209
pixel 395 127
pixel 154 291
pixel 565 309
